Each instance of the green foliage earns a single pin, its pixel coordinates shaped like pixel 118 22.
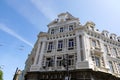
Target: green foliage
pixel 1 75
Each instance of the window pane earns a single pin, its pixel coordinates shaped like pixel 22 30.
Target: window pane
pixel 93 43
pixel 70 27
pixel 50 46
pixel 60 44
pixel 52 31
pixel 97 61
pixel 61 29
pixel 71 43
pixel 111 66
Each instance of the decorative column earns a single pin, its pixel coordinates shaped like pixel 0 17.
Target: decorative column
pixel 83 36
pixel 41 54
pixel 37 53
pixel 55 64
pixel 78 49
pixel 104 55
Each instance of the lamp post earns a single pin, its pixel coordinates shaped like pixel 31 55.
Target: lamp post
pixel 66 65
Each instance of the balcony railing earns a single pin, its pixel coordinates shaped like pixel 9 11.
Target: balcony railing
pixel 97 50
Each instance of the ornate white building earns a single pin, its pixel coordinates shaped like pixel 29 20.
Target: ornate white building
pixel 78 51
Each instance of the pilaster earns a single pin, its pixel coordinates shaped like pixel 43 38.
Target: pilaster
pixel 78 49
pixel 41 54
pixel 37 54
pixel 84 47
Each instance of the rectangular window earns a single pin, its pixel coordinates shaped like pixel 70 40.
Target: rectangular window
pixel 50 46
pixel 96 44
pixel 114 51
pixel 61 29
pixel 106 49
pixel 111 66
pixel 52 31
pixel 93 43
pixel 59 61
pixel 119 68
pixel 60 44
pixel 71 60
pixel 71 44
pixel 80 38
pixel 70 27
pixel 97 61
pixel 49 62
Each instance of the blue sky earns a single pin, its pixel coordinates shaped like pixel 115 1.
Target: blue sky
pixel 22 20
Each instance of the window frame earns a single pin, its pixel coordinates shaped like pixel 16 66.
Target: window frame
pixel 61 29
pixel 71 27
pixel 59 61
pixel 52 31
pixel 111 66
pixel 50 46
pixel 71 43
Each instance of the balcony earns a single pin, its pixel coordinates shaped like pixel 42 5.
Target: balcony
pixel 102 69
pixel 97 50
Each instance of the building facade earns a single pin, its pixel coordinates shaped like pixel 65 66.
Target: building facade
pixel 74 51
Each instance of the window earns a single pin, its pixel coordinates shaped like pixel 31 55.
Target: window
pixel 59 61
pixel 70 27
pixel 52 31
pixel 111 66
pixel 71 43
pixel 119 68
pixel 106 49
pixel 71 60
pixel 96 43
pixel 80 38
pixel 97 61
pixel 50 46
pixel 61 29
pixel 49 62
pixel 60 44
pixel 82 55
pixel 93 43
pixel 114 51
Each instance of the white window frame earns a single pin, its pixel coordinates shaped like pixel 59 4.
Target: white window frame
pixel 71 60
pixel 71 43
pixel 71 27
pixel 61 29
pixel 60 44
pixel 52 31
pixel 50 46
pixel 59 61
pixel 111 66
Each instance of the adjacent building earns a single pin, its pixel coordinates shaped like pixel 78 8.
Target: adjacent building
pixel 75 51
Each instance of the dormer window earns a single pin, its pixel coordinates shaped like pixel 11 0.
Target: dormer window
pixel 110 37
pixel 52 31
pixel 70 27
pixel 61 29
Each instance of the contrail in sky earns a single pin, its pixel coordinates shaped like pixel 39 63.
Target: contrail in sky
pixel 12 33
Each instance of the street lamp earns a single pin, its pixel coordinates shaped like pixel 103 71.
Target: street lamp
pixel 66 65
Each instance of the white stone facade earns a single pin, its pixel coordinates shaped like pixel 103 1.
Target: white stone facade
pixel 86 47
